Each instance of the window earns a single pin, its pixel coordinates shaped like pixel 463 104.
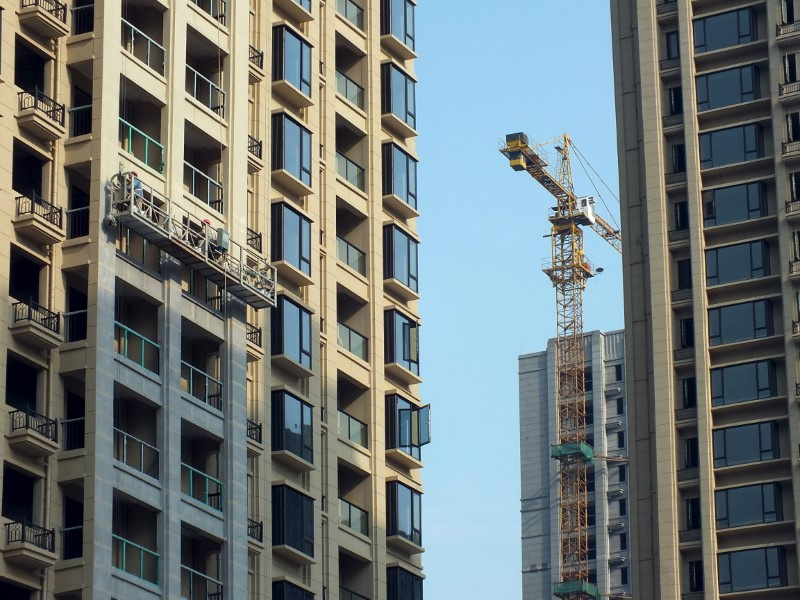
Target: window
pixel 738 322
pixel 675 97
pixel 620 406
pixel 735 203
pixel 397 19
pixel 743 382
pixel 404 508
pixel 283 590
pixel 397 94
pixel 793 127
pixel 291 331
pixel 794 185
pixel 623 576
pixel 291 147
pixel 691 453
pixel 756 569
pixel 400 256
pixel 620 439
pixel 725 30
pixel 687 332
pixel 673 45
pixel 589 412
pixel 623 507
pixel 684 268
pixel 291 59
pixel 679 164
pixel 399 175
pixel 737 262
pixel 731 145
pixel 291 237
pixel 622 474
pixel 292 425
pixel 693 513
pixel 623 541
pixel 588 382
pixel 590 480
pixel 787 11
pixel 689 392
pixel 591 515
pixel 402 585
pixel 790 67
pixel 292 519
pixel 746 444
pixel 402 340
pixel 724 88
pixel 592 548
pixel 695 575
pixel 408 427
pixel 749 505
pixel 681 211
pixel 617 372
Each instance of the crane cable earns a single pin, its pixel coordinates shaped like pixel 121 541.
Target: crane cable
pixel 584 163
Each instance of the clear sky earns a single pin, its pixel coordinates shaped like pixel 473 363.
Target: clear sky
pixel 487 69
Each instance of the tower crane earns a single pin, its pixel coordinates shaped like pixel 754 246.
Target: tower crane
pixel 568 270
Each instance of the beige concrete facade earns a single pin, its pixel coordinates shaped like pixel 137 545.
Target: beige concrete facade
pixel 700 376
pixel 171 431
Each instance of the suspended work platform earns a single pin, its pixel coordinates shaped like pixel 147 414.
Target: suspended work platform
pixel 575 589
pixel 192 240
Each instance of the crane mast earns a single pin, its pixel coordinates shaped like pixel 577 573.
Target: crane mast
pixel 568 270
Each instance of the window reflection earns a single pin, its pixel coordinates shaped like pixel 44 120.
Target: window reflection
pixel 725 30
pixel 292 519
pixel 404 508
pixel 291 147
pixel 734 203
pixel 746 444
pixel 742 383
pixel 398 96
pixel 397 19
pixel 399 174
pixel 292 425
pixel 738 322
pixel 724 88
pixel 752 569
pixel 291 331
pixel 731 145
pixel 738 262
pixel 402 344
pixel 291 59
pixel 291 237
pixel 400 256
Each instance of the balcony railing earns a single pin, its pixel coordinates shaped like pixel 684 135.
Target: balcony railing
pixel 32 311
pixel 788 88
pixel 77 222
pixel 672 120
pixel 794 266
pixel 689 535
pixel 82 19
pixel 255 146
pixel 790 147
pixel 678 235
pixel 353 342
pixel 684 353
pixel 688 474
pixel 44 104
pixel 203 187
pixel 254 431
pixel 787 28
pixel 686 414
pixel 205 91
pixel 201 486
pixel 32 420
pixel 257 57
pixel 71 542
pixel 351 256
pixel 72 433
pixel 144 48
pixel 669 63
pixel 134 559
pixel 55 8
pixel 255 529
pixel 350 171
pixel 136 142
pixel 217 9
pixel 254 239
pixel 681 295
pixel 350 89
pixel 75 325
pixel 201 385
pixel 254 334
pixel 353 429
pixel 667 6
pixel 351 11
pixel 353 517
pixel 36 205
pixel 135 453
pixel 673 178
pixel 137 348
pixel 345 594
pixel 80 120
pixel 198 586
pixel 27 533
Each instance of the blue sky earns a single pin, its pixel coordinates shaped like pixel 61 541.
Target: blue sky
pixel 528 65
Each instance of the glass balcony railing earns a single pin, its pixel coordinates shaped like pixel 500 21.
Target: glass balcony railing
pixel 350 171
pixel 205 91
pixel 201 486
pixel 351 11
pixel 353 429
pixel 353 342
pixel 201 385
pixel 134 559
pixel 137 348
pixel 353 517
pixel 144 48
pixel 136 142
pixel 345 594
pixel 351 256
pixel 217 10
pixel 198 586
pixel 203 187
pixel 350 89
pixel 135 453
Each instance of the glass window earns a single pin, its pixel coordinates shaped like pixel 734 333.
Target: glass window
pixel 291 147
pixel 752 569
pixel 400 256
pixel 283 590
pixel 292 519
pixel 679 160
pixel 724 88
pixel 404 508
pixel 738 262
pixel 291 237
pixel 744 382
pixel 682 214
pixel 408 427
pixel 746 444
pixel 691 453
pixel 749 505
pixel 738 322
pixel 399 174
pixel 695 575
pixel 734 203
pixel 689 392
pixel 673 45
pixel 292 425
pixel 693 513
pixel 291 59
pixel 402 343
pixel 675 96
pixel 398 95
pixel 291 331
pixel 684 268
pixel 725 30
pixel 402 585
pixel 397 19
pixel 687 332
pixel 731 145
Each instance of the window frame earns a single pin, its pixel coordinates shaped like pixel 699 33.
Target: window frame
pixel 402 584
pixel 283 498
pixel 758 255
pixel 768 449
pixel 279 237
pixel 754 197
pixel 283 72
pixel 408 426
pixel 280 400
pixel 390 74
pixel 775 574
pixel 408 340
pixel 765 370
pixel 414 513
pixel 752 147
pixel 388 22
pixel 700 29
pixel 762 322
pixel 392 235
pixel 710 84
pixel 305 357
pixel 279 148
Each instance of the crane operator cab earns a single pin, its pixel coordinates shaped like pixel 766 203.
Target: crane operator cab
pixel 585 205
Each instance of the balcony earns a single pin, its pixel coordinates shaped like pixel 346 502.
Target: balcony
pixel 29 546
pixel 202 487
pixel 688 474
pixel 254 431
pixel 353 342
pixel 794 269
pixel 71 542
pixel 352 12
pixel 351 256
pixel 257 73
pixel 48 18
pixel 255 346
pixel 353 517
pixel 790 149
pixel 75 325
pixel 135 453
pixel 134 559
pixel 350 172
pixel 298 10
pixel 38 220
pixel 350 90
pixel 82 19
pixel 684 354
pixel 793 210
pixel 254 239
pixel 681 296
pixel 201 386
pixel 136 142
pixel 80 120
pixel 345 594
pixel 255 530
pixel 205 91
pixel 666 8
pixel 216 9
pixel 675 180
pixel 36 326
pixel 787 31
pixel 137 348
pixel 203 187
pixel 41 116
pixel 198 586
pixel 73 433
pixel 787 91
pixel 678 237
pixel 669 65
pixel 672 121
pixel 690 536
pixel 353 430
pixel 33 433
pixel 686 414
pixel 77 222
pixel 255 154
pixel 144 48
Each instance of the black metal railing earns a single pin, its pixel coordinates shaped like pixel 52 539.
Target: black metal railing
pixel 71 542
pixel 37 100
pixel 677 177
pixel 55 8
pixel 82 19
pixel 255 146
pixel 689 535
pixel 254 334
pixel 681 295
pixel 667 7
pixel 72 433
pixel 257 57
pixel 27 533
pixel 254 239
pixel 77 222
pixel 255 529
pixel 686 414
pixel 75 325
pixel 688 474
pixel 80 120
pixel 254 430
pixel 30 419
pixel 32 311
pixel 36 205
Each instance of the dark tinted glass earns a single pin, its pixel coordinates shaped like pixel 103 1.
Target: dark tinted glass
pixel 291 331
pixel 744 382
pixel 291 59
pixel 725 30
pixel 401 341
pixel 752 569
pixel 745 444
pixel 735 203
pixel 736 263
pixel 738 322
pixel 731 145
pixel 292 519
pixel 292 425
pixel 291 147
pixel 724 88
pixel 291 237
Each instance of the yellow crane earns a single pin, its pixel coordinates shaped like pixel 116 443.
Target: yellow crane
pixel 568 270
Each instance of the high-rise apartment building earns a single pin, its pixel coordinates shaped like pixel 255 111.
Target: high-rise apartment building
pixel 208 251
pixel 707 103
pixel 608 481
